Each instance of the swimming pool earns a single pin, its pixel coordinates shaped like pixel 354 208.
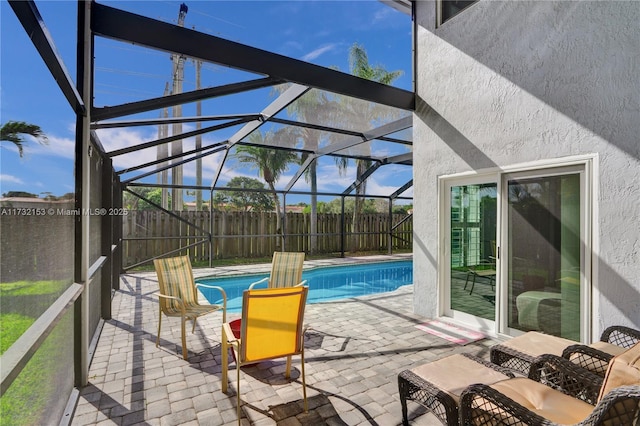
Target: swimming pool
pixel 325 283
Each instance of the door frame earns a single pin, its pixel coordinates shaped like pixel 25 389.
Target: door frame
pixel 589 230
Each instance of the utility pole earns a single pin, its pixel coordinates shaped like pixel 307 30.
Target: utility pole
pixel 176 146
pixel 163 152
pixel 198 64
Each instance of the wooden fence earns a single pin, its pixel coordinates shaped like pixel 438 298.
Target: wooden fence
pixel 151 233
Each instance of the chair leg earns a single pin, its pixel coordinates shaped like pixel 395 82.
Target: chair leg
pixel 473 283
pixel 193 329
pixel 238 393
pixel 184 340
pixel 159 324
pixel 466 281
pixel 403 390
pixel 225 360
pixel 287 373
pixel 304 383
pixel 405 411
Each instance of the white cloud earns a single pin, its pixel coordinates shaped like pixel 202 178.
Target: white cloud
pixel 11 179
pixel 58 147
pixel 319 51
pixel 382 14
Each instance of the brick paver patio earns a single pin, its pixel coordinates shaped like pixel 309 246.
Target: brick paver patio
pixel 355 349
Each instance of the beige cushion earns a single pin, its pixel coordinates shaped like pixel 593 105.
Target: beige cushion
pixel 594 364
pixel 624 369
pixel 535 344
pixel 609 348
pixel 544 401
pixel 454 373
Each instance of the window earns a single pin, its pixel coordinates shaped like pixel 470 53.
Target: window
pixel 450 8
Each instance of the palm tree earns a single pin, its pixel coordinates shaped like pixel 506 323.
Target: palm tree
pixel 313 107
pixel 13 131
pixel 270 162
pixel 356 115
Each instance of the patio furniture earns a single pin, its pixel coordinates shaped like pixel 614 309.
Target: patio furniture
pixel 538 310
pixel 486 270
pixel 271 328
pixel 518 353
pixel 178 296
pixel 437 385
pixel 555 393
pixel 286 270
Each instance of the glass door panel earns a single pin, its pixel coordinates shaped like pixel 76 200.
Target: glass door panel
pixel 472 249
pixel 543 263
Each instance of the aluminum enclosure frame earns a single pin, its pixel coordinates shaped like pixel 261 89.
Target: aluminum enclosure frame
pixel 109 22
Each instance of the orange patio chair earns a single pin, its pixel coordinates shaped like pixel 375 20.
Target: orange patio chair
pixel 272 327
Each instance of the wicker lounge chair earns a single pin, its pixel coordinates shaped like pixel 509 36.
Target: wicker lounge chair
pixel 286 270
pixel 178 296
pixel 518 353
pixel 272 327
pixel 437 385
pixel 559 392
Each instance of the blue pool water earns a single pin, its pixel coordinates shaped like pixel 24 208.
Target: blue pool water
pixel 325 283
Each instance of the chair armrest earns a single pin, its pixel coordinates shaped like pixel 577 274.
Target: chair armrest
pixel 587 357
pixel 482 405
pixel 301 283
pixel 619 406
pixel 180 302
pixel 215 287
pixel 224 298
pixel 620 335
pixel 506 371
pixel 258 282
pixel 567 377
pixel 231 338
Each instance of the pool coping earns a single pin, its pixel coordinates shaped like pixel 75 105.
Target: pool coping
pixel 265 268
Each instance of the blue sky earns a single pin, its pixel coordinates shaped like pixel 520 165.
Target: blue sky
pixel 319 32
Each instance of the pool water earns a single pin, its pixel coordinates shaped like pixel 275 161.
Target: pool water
pixel 325 283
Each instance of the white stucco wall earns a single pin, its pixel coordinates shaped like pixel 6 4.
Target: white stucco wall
pixel 504 83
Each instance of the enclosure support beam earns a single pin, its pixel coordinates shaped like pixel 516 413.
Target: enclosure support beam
pixel 281 102
pixel 29 16
pixel 106 113
pixel 120 25
pixel 395 126
pixel 84 152
pixel 176 137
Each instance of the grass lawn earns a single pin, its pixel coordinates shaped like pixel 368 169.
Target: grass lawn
pixel 27 399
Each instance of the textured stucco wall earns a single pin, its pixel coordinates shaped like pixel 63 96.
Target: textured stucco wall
pixel 504 83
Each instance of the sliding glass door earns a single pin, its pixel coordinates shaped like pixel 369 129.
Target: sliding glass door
pixel 515 251
pixel 472 262
pixel 544 254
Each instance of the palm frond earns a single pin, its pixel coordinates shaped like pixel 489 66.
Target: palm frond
pixel 12 131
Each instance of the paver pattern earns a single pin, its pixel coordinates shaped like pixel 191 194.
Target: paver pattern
pixel 354 350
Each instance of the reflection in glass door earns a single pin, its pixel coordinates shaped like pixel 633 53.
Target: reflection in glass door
pixel 543 270
pixel 472 243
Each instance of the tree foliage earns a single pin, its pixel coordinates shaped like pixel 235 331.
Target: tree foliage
pixel 131 202
pixel 402 208
pixel 335 206
pixel 14 132
pixel 357 115
pixel 243 200
pixel 270 162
